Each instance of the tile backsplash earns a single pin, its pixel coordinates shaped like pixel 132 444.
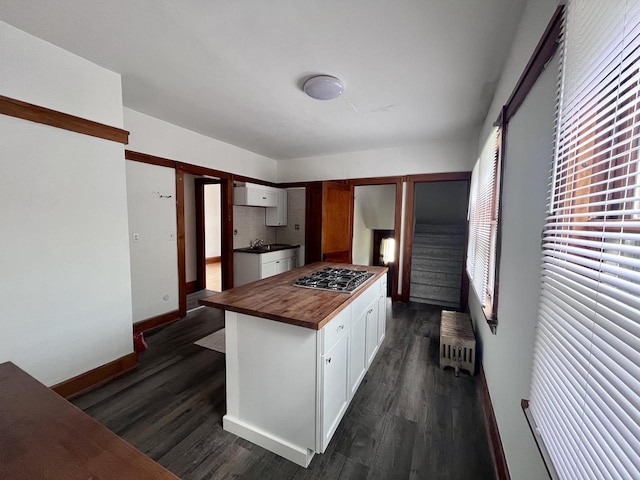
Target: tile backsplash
pixel 249 222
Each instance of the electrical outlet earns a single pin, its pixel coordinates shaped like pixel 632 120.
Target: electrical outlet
pixel 172 236
pixel 296 227
pixel 136 237
pixel 235 231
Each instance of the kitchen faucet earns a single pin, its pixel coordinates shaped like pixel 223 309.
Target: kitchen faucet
pixel 256 243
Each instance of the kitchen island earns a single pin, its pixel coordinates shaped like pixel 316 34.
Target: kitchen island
pixel 296 356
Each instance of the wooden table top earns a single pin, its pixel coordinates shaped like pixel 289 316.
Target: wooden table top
pixel 44 436
pixel 277 299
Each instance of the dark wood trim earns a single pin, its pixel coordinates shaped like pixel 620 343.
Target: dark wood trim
pixel 150 159
pixel 363 182
pixel 198 170
pixel 191 287
pixel 54 118
pixel 152 323
pixel 242 178
pixel 398 234
pixel 226 226
pixel 524 404
pixel 439 177
pixel 543 52
pixel 410 218
pixel 294 185
pixel 217 259
pixel 98 376
pixel 495 443
pixel 180 237
pixel 201 260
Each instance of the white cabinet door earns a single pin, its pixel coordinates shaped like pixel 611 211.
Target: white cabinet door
pixel 283 265
pixel 277 216
pixel 382 312
pixel 357 352
pixel 269 269
pixel 335 389
pixel 371 318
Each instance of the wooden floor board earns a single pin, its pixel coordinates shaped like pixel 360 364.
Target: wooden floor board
pixel 408 419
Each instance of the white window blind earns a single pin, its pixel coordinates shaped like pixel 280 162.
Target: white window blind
pixel 482 215
pixel 585 390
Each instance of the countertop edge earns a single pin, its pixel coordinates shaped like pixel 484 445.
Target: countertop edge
pixel 210 302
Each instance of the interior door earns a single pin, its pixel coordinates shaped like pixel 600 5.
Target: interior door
pixel 337 222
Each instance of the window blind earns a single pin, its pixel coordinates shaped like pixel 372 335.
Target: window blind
pixel 585 389
pixel 482 216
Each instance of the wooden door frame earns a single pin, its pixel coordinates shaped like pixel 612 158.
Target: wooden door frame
pixel 226 227
pixel 408 230
pixel 201 269
pixel 397 221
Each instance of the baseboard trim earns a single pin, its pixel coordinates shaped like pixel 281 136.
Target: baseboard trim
pixel 298 455
pixel 495 443
pixel 191 287
pixel 98 376
pixel 155 322
pixel 214 259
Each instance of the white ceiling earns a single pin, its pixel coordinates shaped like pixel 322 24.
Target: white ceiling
pixel 415 71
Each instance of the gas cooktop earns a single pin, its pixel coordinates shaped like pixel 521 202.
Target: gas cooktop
pixel 341 280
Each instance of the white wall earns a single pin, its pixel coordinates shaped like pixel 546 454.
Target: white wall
pixel 507 356
pixel 373 209
pixel 436 157
pixel 65 285
pixel 154 259
pixel 212 227
pixel 157 137
pixel 442 203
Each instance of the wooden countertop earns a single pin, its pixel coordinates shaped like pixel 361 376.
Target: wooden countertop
pixel 44 436
pixel 277 299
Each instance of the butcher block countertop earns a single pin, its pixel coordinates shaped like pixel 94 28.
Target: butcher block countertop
pixel 277 299
pixel 44 436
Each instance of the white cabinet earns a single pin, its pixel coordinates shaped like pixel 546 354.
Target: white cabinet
pixel 249 267
pixel 288 387
pixel 357 352
pixel 371 321
pixel 382 310
pixel 277 216
pixel 335 390
pixel 255 195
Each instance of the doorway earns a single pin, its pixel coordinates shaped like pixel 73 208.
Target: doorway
pixel 376 226
pixel 202 237
pixel 439 228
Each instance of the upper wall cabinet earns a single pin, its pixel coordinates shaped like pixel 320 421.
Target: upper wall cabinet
pixel 254 195
pixel 277 216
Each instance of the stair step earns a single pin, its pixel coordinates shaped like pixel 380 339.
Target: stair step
pixel 438 279
pixel 452 305
pixel 424 228
pixel 437 252
pixel 448 265
pixel 432 293
pixel 436 239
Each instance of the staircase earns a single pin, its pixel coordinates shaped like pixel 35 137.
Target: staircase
pixel 436 264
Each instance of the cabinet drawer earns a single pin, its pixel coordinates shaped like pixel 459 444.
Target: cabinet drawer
pixel 278 255
pixel 371 293
pixel 335 329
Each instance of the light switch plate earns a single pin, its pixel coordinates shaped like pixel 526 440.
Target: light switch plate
pixel 136 237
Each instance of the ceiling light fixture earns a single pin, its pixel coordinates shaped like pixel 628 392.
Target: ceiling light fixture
pixel 323 87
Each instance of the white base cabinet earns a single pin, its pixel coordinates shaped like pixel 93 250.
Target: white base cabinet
pixel 288 387
pixel 249 267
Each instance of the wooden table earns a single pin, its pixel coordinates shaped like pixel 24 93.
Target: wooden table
pixel 42 436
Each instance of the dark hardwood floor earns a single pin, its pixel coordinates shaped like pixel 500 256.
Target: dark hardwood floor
pixel 408 420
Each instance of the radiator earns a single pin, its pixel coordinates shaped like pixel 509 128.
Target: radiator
pixel 457 342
